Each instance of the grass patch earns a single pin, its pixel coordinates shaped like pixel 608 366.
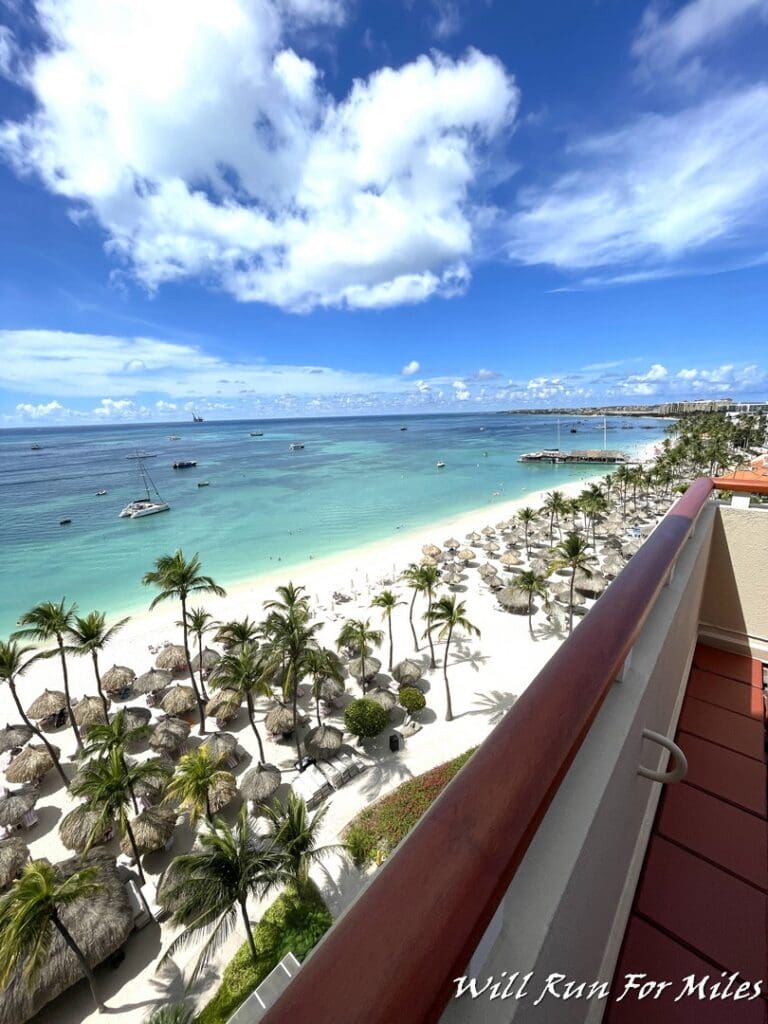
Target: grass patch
pixel 377 830
pixel 294 923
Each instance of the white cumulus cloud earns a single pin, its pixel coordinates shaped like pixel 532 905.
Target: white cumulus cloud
pixel 207 147
pixel 410 368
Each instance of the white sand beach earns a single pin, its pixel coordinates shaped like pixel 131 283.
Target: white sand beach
pixel 486 675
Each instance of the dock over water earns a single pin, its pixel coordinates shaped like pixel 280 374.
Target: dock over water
pixel 587 456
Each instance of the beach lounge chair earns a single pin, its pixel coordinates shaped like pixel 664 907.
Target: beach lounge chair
pixel 149 892
pixel 30 819
pixel 136 903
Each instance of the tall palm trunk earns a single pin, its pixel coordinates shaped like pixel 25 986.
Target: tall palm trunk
pixel 296 712
pixel 85 966
pixel 570 601
pixel 65 674
pixel 104 702
pixel 530 611
pixel 249 933
pixel 200 656
pixel 185 634
pixel 389 627
pixel 448 706
pixel 432 662
pixel 251 712
pixel 135 849
pixel 38 733
pixel 410 619
pixel 134 801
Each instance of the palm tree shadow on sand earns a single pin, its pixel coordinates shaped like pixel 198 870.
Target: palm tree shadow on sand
pixel 494 704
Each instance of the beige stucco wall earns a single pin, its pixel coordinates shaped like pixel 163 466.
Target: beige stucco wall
pixel 735 605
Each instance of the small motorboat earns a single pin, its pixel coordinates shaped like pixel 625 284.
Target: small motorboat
pixel 174 437
pixel 100 494
pixel 403 428
pixel 65 522
pixel 36 447
pixel 295 446
pixel 203 483
pixel 440 464
pixel 257 433
pixel 184 464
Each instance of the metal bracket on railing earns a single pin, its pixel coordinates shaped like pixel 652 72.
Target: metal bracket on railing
pixel 679 760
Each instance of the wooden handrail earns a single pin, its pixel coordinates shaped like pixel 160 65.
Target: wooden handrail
pixel 393 957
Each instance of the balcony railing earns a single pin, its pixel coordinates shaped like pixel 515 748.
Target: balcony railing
pixel 394 955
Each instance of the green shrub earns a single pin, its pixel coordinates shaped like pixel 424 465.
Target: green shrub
pixel 294 923
pixel 365 718
pixel 412 699
pixel 377 829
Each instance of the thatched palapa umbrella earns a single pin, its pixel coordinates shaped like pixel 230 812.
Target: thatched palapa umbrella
pixel 383 697
pixel 474 537
pixel 173 659
pixel 99 924
pixel 81 827
pixel 509 559
pixel 15 805
pixel 562 592
pixel 429 560
pixel 220 746
pixel 466 555
pixel 14 854
pixel 224 705
pixel 279 721
pixel 430 549
pixel 153 681
pixel 488 569
pixel 323 742
pixel 259 783
pixel 117 678
pixel 152 788
pixel 151 829
pixel 12 736
pixel 211 658
pixel 170 736
pixel 492 546
pixel 89 712
pixel 592 586
pixel 407 672
pixel 221 792
pixel 488 531
pixel 134 718
pixel 179 700
pixel 452 544
pixel 513 600
pixel 31 764
pixel 50 702
pixel 369 668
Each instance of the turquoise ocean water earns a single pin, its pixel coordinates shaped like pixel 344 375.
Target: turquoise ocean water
pixel 357 480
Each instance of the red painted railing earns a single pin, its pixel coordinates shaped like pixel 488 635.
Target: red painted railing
pixel 392 958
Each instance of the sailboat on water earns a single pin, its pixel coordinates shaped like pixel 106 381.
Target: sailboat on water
pixel 150 503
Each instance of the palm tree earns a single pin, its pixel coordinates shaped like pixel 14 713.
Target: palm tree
pixel 323 664
pixel 195 776
pixel 532 585
pixel 236 632
pixel 178 577
pixel 554 504
pixel 297 836
pixel 200 622
pixel 447 616
pixel 412 578
pixel 12 665
pixel 31 912
pixel 89 634
pixel 116 735
pixel 526 516
pixel 429 577
pixel 358 633
pixel 107 785
pixel 387 601
pixel 242 672
pixel 572 553
pixel 290 598
pixel 50 621
pixel 212 885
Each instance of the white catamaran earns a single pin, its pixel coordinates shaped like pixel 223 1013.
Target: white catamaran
pixel 148 505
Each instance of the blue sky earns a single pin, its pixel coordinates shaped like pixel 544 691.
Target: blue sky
pixel 289 207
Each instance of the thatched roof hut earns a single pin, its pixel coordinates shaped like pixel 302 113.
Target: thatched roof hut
pixel 407 672
pixel 452 544
pixel 81 827
pixel 220 745
pixel 510 559
pixel 323 741
pixel 50 702
pixel 331 689
pixel 100 925
pixel 259 783
pixel 117 678
pixel 12 736
pixel 173 659
pixel 169 736
pixel 179 700
pixel 151 829
pixel 513 600
pixel 153 787
pixel 370 667
pixel 153 681
pixel 31 764
pixel 430 550
pixel 17 803
pixel 134 718
pixel 210 659
pixel 14 854
pixel 224 705
pixel 466 555
pixel 383 697
pixel 592 585
pixel 89 712
pixel 279 720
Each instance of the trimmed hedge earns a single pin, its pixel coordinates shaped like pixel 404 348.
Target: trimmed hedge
pixel 294 923
pixel 377 830
pixel 412 699
pixel 365 717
